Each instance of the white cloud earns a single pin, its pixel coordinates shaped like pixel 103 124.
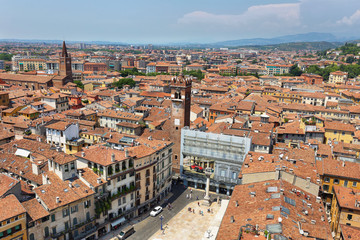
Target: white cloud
pixel 353 19
pixel 259 16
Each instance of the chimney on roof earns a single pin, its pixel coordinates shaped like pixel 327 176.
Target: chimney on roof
pixel 343 163
pixel 112 157
pixel 70 186
pixel 126 153
pixel 232 219
pixel 236 203
pixel 57 200
pixel 82 154
pixel 98 180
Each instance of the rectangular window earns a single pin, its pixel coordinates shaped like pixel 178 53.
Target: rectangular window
pixel 87 204
pixel 234 175
pixel 72 165
pixel 349 217
pixel 66 167
pixel 346 183
pixel 119 201
pixel 54 230
pixel 124 199
pixel 326 188
pixel 53 218
pixel 74 209
pixel 336 181
pixel 66 225
pixel 65 212
pixel 354 184
pixel 327 179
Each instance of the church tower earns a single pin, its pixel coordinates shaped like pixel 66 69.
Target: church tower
pixel 65 63
pixel 180 113
pixel 65 74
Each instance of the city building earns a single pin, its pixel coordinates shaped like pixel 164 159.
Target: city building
pixel 12 219
pixel 338 77
pixel 62 134
pixel 273 69
pixel 32 64
pixel 224 154
pixel 345 209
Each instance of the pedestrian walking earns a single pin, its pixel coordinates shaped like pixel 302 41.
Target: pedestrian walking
pixel 190 190
pixel 197 198
pixel 193 211
pixel 190 195
pixel 187 195
pixel 199 204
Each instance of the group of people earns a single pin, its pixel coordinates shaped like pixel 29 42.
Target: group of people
pixel 201 212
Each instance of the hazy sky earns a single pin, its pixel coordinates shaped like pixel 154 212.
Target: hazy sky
pixel 162 21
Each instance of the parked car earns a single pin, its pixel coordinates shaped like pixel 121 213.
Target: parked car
pixel 156 211
pixel 126 232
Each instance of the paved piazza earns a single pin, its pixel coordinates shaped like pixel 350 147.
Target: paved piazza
pixel 187 225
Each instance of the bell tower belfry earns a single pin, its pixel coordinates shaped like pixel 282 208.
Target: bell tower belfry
pixel 180 113
pixel 181 100
pixel 65 62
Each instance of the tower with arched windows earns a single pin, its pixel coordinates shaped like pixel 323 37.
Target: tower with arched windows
pixel 180 113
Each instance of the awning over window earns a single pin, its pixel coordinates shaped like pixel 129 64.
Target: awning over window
pixel 117 222
pixel 22 153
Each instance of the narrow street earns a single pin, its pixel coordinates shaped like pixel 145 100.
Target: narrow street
pixel 145 226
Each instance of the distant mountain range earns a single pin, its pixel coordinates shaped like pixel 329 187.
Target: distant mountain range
pixel 305 37
pixel 323 40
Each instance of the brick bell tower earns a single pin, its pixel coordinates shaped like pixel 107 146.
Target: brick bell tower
pixel 180 113
pixel 65 63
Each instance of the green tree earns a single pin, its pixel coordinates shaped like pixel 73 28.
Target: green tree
pixel 124 81
pixel 131 72
pixel 79 84
pixel 195 73
pixel 5 56
pixel 350 59
pixel 295 70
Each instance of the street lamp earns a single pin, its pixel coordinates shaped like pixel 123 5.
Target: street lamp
pixel 161 219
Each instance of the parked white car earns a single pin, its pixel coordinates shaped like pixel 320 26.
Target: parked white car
pixel 156 211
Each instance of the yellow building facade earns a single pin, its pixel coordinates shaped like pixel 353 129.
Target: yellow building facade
pixel 32 64
pixel 339 135
pixel 343 213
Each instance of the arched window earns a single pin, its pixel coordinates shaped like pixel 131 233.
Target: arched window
pixel 46 231
pixel 32 237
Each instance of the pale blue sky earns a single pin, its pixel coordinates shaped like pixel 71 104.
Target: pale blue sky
pixel 163 21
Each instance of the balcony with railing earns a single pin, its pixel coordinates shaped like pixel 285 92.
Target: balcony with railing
pixel 123 192
pixel 73 228
pixel 85 233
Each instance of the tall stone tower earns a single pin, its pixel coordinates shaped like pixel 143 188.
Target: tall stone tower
pixel 65 73
pixel 180 113
pixel 65 63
